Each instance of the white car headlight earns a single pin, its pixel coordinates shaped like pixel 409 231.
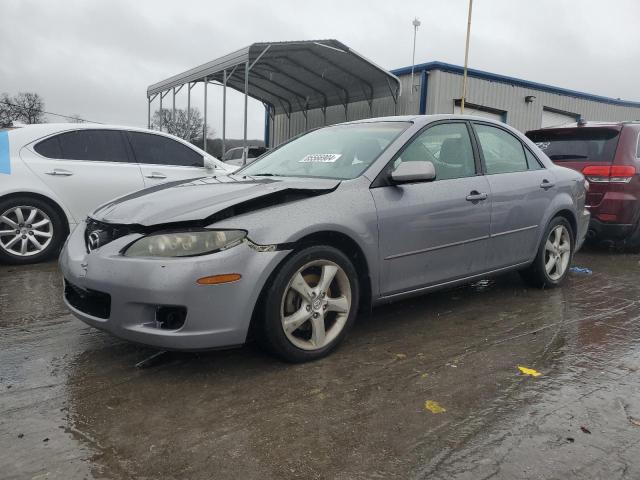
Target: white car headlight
pixel 184 244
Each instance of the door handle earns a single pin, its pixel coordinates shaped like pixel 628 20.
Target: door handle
pixel 155 175
pixel 58 172
pixel 546 184
pixel 476 196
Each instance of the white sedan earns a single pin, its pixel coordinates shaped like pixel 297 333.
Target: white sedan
pixel 53 175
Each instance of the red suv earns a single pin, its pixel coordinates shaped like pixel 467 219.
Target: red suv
pixel 608 155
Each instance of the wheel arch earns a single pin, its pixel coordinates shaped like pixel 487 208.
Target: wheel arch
pixel 55 205
pixel 331 238
pixel 571 218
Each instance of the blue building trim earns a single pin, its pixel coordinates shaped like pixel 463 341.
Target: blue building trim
pixel 5 158
pixel 424 78
pixel 493 77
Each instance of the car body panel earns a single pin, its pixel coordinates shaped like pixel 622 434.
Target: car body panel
pixel 28 171
pixel 614 207
pixel 198 199
pixel 424 226
pixel 73 182
pixel 413 237
pixel 217 315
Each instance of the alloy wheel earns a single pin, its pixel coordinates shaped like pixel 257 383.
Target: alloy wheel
pixel 25 231
pixel 557 252
pixel 316 305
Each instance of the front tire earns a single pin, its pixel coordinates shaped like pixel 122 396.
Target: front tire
pixel 31 230
pixel 555 252
pixel 310 305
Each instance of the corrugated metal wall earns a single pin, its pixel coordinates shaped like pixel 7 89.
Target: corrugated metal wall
pixel 443 88
pixel 381 107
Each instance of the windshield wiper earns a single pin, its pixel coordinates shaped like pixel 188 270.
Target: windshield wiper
pixel 564 157
pixel 264 175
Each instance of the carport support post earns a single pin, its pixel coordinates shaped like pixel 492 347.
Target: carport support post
pixel 160 120
pixel 188 112
pixel 204 127
pixel 149 113
pixel 224 110
pixel 246 100
pixel 173 106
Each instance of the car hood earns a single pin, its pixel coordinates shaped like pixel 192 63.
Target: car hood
pixel 199 200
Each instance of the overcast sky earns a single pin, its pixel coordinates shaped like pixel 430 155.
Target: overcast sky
pixel 96 58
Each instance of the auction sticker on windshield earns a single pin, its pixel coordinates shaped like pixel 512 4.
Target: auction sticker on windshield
pixel 321 158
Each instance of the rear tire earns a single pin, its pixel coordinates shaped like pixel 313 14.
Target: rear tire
pixel 632 243
pixel 551 265
pixel 310 305
pixel 31 230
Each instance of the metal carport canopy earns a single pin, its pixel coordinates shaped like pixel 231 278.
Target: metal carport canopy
pixel 294 76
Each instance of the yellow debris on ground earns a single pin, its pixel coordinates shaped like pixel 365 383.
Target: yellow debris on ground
pixel 434 407
pixel 529 371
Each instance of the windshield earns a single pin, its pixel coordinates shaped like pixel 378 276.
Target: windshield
pixel 577 144
pixel 340 152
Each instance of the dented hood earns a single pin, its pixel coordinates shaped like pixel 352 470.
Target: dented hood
pixel 200 200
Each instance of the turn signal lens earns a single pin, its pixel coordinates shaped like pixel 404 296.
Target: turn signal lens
pixel 612 174
pixel 216 279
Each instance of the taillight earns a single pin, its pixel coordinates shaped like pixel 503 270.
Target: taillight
pixel 612 174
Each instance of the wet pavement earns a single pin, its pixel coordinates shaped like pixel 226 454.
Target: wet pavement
pixel 73 404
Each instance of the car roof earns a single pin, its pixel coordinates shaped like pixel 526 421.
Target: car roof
pixel 28 133
pixel 425 119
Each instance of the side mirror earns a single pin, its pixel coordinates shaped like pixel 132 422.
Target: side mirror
pixel 413 172
pixel 209 163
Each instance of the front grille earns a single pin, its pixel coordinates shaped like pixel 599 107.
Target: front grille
pixel 98 234
pixel 91 302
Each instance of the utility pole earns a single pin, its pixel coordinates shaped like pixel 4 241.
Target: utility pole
pixel 466 60
pixel 416 24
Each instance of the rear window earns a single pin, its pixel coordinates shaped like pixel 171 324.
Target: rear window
pixel 579 144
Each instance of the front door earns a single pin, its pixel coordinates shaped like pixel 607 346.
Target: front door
pixel 438 231
pixel 85 168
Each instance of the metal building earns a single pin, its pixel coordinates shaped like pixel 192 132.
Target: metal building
pixel 437 88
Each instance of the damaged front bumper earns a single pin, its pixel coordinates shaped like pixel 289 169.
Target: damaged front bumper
pixel 145 299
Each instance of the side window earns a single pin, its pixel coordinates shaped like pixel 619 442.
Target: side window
pixel 49 148
pixel 158 150
pixel 447 146
pixel 532 161
pixel 503 153
pixel 93 145
pixel 237 154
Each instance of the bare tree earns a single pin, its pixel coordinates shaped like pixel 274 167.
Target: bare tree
pixel 177 125
pixel 28 108
pixel 7 115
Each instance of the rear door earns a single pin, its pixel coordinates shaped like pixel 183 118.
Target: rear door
pixel 521 190
pixel 163 159
pixel 85 168
pixel 433 232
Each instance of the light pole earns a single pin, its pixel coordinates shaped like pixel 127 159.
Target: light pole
pixel 416 24
pixel 466 61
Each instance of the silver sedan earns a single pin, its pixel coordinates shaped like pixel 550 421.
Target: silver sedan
pixel 345 217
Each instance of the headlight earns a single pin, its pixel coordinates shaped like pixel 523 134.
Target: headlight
pixel 184 244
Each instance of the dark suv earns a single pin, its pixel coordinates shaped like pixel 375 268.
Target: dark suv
pixel 608 155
